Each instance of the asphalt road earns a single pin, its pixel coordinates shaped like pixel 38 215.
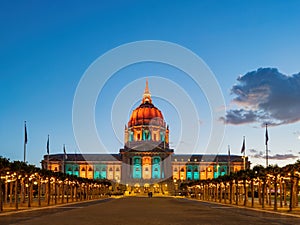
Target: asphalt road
pixel 146 211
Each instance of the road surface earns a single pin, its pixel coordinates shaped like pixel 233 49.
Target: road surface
pixel 146 211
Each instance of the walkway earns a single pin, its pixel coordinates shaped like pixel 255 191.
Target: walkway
pixel 146 211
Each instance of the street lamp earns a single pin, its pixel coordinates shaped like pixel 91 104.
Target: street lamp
pixel 175 185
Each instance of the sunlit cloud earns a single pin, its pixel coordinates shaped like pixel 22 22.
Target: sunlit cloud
pixel 261 155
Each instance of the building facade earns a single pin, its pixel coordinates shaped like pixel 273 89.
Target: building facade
pixel 146 156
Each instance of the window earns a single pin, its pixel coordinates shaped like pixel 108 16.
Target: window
pixel 146 134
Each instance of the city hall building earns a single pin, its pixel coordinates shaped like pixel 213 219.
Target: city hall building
pixel 146 156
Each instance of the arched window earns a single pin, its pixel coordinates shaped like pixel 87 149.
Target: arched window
pixel 146 133
pixel 130 136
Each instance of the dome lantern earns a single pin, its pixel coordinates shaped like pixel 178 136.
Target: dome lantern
pixel 147 94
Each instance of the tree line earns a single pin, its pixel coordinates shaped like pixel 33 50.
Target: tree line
pixel 25 185
pixel 272 186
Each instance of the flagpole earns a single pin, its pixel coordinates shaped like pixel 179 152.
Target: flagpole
pixel 229 160
pixel 244 161
pixel 244 156
pixel 25 141
pixel 267 138
pixel 65 155
pixel 217 164
pixel 48 160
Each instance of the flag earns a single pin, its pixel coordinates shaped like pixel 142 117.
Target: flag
pixel 25 137
pixel 65 153
pixel 243 147
pixel 48 151
pixel 267 136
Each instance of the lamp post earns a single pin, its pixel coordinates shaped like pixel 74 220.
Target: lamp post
pixel 175 186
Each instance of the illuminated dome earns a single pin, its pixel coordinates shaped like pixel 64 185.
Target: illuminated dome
pixel 146 114
pixel 146 123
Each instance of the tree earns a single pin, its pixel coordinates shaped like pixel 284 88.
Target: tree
pixel 4 167
pixel 274 173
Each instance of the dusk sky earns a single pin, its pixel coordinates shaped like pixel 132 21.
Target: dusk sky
pixel 251 47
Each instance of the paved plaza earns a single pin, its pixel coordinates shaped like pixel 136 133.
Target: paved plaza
pixel 145 211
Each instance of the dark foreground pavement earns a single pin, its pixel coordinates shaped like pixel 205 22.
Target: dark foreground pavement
pixel 145 211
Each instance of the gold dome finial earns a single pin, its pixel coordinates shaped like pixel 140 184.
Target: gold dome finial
pixel 147 95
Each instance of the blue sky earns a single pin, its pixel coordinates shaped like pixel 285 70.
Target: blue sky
pixel 46 46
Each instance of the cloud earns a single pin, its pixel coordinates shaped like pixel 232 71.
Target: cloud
pixel 261 155
pixel 240 116
pixel 265 96
pixel 283 156
pixel 252 151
